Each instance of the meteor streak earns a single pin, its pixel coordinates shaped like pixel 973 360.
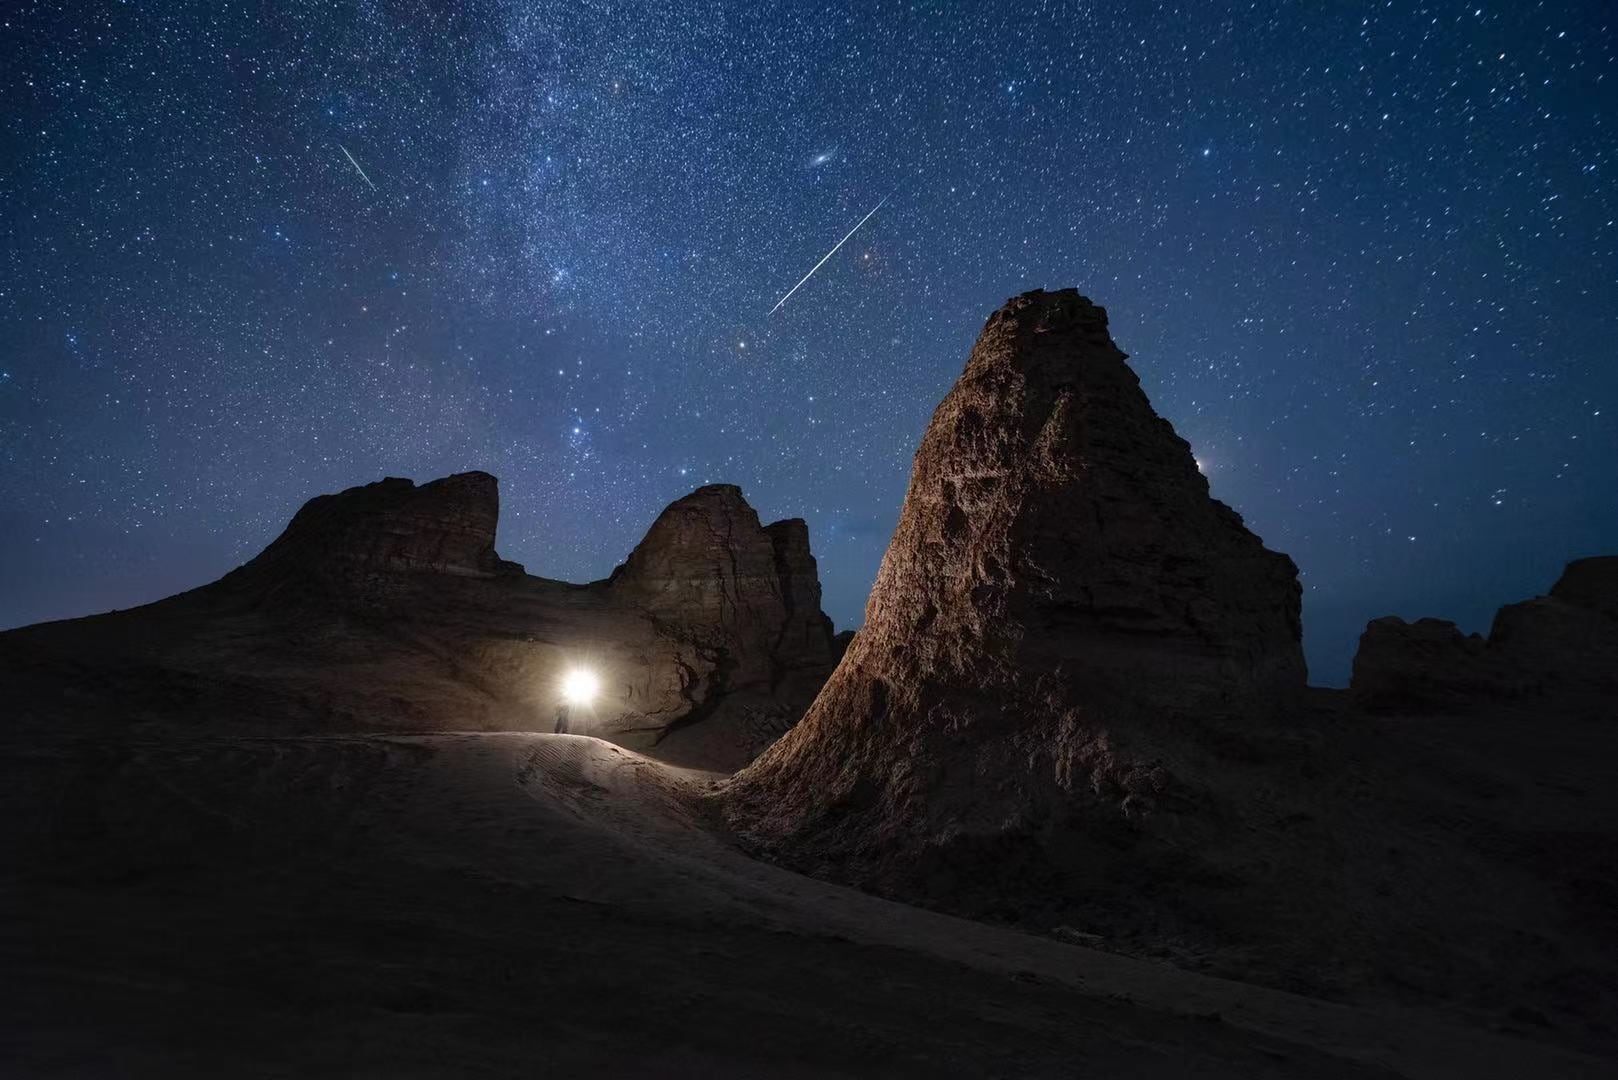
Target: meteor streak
pixel 824 257
pixel 356 165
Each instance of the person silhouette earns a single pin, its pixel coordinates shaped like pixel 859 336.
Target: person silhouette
pixel 563 717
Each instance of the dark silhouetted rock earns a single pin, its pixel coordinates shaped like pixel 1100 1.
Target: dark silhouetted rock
pixel 1425 665
pixel 840 644
pixel 1060 596
pixel 1558 651
pixel 806 649
pixel 1564 647
pixel 1591 584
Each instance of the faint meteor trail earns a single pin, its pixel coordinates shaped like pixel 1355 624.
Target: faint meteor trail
pixel 824 257
pixel 356 165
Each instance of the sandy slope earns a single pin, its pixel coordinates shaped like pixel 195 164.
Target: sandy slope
pixel 488 904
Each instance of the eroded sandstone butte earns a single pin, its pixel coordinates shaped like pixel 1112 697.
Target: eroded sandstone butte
pixel 1078 703
pixel 386 607
pixel 1061 608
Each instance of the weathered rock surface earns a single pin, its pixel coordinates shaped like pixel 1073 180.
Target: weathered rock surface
pixel 1077 703
pixel 709 568
pixel 1558 651
pixel 386 606
pixel 1060 587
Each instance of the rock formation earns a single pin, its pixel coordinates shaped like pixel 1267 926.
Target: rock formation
pixel 386 606
pixel 1425 665
pixel 1077 702
pixel 732 585
pixel 1061 607
pixel 736 606
pixel 353 542
pixel 1558 651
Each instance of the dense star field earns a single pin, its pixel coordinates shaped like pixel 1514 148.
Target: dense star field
pixel 1364 257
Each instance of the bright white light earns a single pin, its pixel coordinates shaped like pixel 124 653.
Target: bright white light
pixel 580 686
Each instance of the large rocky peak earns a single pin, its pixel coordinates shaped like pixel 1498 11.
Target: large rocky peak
pixel 1060 592
pixel 1054 518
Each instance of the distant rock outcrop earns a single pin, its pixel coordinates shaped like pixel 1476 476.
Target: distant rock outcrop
pixel 1425 665
pixel 1559 650
pixel 349 541
pixel 1061 595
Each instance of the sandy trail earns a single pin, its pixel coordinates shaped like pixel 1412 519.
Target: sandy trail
pixel 481 904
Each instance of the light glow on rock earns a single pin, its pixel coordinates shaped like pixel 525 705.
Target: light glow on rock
pixel 580 686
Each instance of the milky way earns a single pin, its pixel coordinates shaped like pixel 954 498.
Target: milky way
pixel 1364 257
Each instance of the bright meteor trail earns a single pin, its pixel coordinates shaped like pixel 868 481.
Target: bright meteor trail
pixel 356 165
pixel 824 257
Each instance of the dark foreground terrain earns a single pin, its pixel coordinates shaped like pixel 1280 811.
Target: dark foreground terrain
pixel 489 904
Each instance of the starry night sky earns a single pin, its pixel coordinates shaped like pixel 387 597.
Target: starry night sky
pixel 1364 257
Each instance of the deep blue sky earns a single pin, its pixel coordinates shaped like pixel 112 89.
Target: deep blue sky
pixel 1363 256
